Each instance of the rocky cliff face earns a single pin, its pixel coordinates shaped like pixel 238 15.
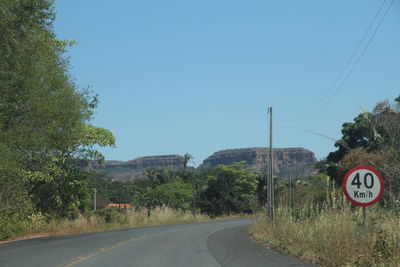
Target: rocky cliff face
pixel 133 169
pixel 298 161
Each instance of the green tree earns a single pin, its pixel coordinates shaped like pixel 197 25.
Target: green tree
pixel 387 122
pixel 150 173
pixel 357 134
pixel 176 195
pixel 372 139
pixel 229 189
pixel 186 158
pixel 44 117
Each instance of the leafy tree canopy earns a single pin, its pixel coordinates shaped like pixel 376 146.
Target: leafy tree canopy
pixel 229 189
pixel 372 137
pixel 44 117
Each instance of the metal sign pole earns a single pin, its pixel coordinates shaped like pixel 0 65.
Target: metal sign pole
pixel 364 216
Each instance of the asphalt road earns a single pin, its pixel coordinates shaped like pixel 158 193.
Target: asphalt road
pixel 218 243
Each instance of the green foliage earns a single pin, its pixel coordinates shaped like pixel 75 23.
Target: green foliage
pixel 229 189
pixel 15 218
pixel 44 117
pixel 186 158
pixel 372 139
pixel 162 175
pixel 312 190
pixel 65 195
pixel 113 191
pixel 90 137
pixel 176 195
pixel 120 192
pixel 355 134
pixel 378 131
pixel 112 216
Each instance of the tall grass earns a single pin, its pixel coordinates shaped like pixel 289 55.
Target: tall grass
pixel 332 234
pixel 108 220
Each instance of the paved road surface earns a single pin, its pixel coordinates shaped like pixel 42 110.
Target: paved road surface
pixel 219 243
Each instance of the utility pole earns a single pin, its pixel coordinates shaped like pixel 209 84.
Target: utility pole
pixel 94 199
pixel 290 187
pixel 194 195
pixel 271 179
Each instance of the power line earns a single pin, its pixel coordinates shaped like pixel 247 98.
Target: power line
pixel 353 67
pixel 346 66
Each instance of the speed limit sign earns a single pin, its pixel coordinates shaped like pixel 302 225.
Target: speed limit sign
pixel 363 186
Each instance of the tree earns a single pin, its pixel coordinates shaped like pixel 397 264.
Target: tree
pixel 387 123
pixel 150 173
pixel 44 117
pixel 176 195
pixel 229 189
pixel 357 134
pixel 186 158
pixel 372 139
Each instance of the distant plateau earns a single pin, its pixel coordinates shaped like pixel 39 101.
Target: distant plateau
pixel 299 161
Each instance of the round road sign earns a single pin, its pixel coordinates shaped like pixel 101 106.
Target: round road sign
pixel 363 186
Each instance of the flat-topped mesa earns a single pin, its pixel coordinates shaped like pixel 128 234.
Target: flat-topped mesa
pixel 299 161
pixel 133 169
pixel 164 161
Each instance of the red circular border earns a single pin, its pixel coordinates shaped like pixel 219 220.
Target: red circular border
pixel 346 177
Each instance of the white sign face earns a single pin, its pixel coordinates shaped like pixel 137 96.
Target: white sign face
pixel 363 186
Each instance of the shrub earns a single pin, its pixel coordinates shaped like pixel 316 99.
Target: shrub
pixel 112 215
pixel 15 219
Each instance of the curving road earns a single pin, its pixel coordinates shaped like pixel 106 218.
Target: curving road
pixel 217 243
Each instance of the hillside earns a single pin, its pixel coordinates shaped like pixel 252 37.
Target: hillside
pixel 133 169
pixel 300 160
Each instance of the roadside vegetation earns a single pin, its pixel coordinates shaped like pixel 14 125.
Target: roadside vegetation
pixel 331 234
pixel 47 138
pixel 107 219
pixel 167 197
pixel 321 226
pixel 45 121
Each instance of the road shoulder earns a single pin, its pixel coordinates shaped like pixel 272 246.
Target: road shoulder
pixel 233 247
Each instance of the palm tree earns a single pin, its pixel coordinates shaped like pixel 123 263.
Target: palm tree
pixel 186 158
pixel 150 173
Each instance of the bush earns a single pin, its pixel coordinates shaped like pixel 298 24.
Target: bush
pixel 15 219
pixel 112 215
pixel 229 189
pixel 332 235
pixel 176 195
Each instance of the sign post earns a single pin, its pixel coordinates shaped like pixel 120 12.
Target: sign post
pixel 363 186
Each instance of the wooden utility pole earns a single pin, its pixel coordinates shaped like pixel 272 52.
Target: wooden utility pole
pixel 271 174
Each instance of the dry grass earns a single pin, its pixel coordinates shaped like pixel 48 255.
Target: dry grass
pixel 333 235
pixel 119 220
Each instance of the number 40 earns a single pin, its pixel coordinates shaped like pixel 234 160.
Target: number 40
pixel 368 183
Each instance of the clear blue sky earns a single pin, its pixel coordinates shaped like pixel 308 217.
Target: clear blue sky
pixel 198 76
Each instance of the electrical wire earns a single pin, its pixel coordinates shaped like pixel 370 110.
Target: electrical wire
pixel 352 68
pixel 346 66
